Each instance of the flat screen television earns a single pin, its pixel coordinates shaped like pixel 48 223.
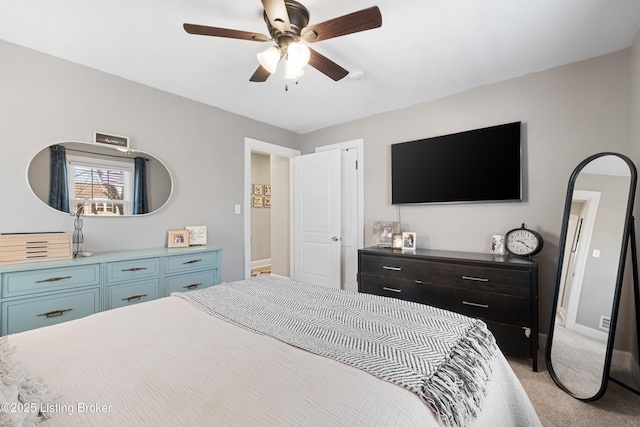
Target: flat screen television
pixel 481 165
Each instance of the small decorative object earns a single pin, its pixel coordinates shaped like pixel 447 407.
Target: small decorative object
pixel 257 189
pixel 178 238
pixel 113 140
pixel 408 241
pixel 383 232
pixel 396 240
pixel 267 202
pixel 78 236
pixel 523 242
pixel 497 244
pixel 267 190
pixel 257 202
pixel 197 234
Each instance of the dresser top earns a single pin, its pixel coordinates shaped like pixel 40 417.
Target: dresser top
pixel 433 254
pixel 102 257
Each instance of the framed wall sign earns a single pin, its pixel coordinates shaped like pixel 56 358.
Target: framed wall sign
pixel 113 140
pixel 197 234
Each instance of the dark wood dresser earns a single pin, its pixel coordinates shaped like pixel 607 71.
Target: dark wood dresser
pixel 500 290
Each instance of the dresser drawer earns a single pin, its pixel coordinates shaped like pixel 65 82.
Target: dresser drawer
pixel 498 280
pixel 485 305
pixel 389 266
pixel 394 287
pixel 513 340
pixel 132 293
pixel 192 281
pixel 34 247
pixel 192 262
pixel 49 279
pixel 133 269
pixel 25 314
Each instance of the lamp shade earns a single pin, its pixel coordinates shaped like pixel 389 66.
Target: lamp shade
pixel 269 59
pixel 298 55
pixel 290 72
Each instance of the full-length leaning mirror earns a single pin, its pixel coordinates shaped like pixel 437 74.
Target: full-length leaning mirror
pixel 93 179
pixel 591 255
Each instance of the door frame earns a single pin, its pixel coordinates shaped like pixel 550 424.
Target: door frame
pixel 256 146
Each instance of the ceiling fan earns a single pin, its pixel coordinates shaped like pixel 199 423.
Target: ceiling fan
pixel 287 22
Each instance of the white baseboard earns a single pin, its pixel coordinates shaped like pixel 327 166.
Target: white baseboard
pixel 261 263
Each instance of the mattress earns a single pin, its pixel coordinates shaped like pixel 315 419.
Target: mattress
pixel 166 363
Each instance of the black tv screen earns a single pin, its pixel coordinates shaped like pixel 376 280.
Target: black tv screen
pixel 481 165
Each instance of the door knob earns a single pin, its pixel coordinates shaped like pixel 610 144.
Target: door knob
pixel 335 238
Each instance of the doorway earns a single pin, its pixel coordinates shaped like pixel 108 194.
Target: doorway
pixel 352 212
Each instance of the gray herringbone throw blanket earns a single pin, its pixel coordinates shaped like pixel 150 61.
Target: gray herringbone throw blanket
pixel 441 356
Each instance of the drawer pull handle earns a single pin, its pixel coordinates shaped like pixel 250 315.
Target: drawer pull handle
pixel 475 304
pixel 419 282
pixel 53 279
pixel 391 268
pixel 54 313
pixel 392 289
pixel 37 242
pixel 193 261
pixel 37 247
pixel 192 286
pixel 135 269
pixel 134 298
pixel 475 279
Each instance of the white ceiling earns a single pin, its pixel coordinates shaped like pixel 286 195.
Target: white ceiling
pixel 425 49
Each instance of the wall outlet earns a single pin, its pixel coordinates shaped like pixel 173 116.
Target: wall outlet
pixel 237 209
pixel 596 253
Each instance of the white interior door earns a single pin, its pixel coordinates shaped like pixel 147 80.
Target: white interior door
pixel 317 218
pixel 349 219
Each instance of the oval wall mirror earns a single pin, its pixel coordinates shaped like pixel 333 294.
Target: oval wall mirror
pixel 591 256
pixel 92 179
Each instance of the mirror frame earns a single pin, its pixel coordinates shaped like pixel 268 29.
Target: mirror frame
pixel 128 151
pixel 628 228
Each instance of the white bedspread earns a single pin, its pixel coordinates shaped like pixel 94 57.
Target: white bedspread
pixel 165 363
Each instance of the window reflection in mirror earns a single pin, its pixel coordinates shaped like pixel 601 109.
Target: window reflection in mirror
pixel 100 180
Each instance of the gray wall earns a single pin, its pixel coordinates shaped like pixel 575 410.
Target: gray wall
pixel 47 100
pixel 568 113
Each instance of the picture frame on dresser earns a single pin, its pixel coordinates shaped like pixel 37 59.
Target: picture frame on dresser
pixel 178 239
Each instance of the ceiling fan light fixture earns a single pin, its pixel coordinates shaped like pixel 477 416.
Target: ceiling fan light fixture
pixel 298 55
pixel 269 58
pixel 290 72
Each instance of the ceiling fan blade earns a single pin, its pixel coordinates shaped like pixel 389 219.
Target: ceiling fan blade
pixel 327 66
pixel 224 32
pixel 355 22
pixel 261 75
pixel 276 11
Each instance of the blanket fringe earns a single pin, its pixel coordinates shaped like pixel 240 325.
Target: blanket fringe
pixel 456 389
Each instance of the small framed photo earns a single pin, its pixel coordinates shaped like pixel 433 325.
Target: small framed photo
pixel 497 244
pixel 257 202
pixel 408 241
pixel 258 189
pixel 197 234
pixel 267 190
pixel 396 240
pixel 267 202
pixel 178 238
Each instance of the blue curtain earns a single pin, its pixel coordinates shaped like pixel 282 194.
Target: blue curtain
pixel 58 187
pixel 140 202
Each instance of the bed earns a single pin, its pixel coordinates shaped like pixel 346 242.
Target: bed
pixel 266 351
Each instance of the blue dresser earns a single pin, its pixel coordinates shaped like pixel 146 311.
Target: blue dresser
pixel 40 294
